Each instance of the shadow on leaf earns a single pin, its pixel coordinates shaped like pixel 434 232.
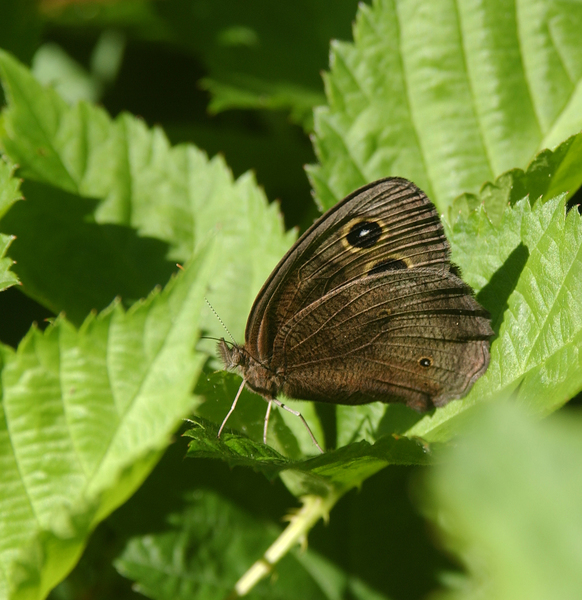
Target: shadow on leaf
pixel 81 265
pixel 495 295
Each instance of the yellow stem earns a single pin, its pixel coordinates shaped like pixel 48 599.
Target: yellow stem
pixel 313 509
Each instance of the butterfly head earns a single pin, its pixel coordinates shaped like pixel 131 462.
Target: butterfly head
pixel 234 357
pixel 258 377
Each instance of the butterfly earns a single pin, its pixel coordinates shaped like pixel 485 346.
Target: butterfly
pixel 365 307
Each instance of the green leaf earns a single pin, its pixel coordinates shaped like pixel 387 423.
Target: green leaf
pixel 325 475
pixel 9 194
pixel 261 54
pixel 85 416
pixel 52 66
pixel 529 276
pixel 286 432
pixel 130 205
pixel 7 277
pixel 550 173
pixel 9 187
pixel 204 549
pixel 448 94
pixel 236 450
pixel 507 498
pixel 247 93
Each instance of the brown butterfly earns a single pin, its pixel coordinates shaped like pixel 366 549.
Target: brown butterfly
pixel 365 307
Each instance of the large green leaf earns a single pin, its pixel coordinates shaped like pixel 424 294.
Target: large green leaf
pixel 130 206
pixel 448 94
pixel 85 415
pixel 507 501
pixel 528 273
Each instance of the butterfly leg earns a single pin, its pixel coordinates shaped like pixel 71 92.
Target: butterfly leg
pixel 240 389
pixel 266 425
pixel 297 414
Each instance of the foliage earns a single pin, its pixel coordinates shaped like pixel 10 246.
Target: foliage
pixel 515 523
pixel 498 81
pixel 483 115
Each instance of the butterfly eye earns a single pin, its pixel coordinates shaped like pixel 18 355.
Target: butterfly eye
pixel 364 234
pixel 425 362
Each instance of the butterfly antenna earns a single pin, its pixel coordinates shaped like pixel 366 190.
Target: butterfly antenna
pixel 225 328
pixel 208 337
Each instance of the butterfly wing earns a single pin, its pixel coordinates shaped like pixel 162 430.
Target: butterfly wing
pixel 384 226
pixel 413 335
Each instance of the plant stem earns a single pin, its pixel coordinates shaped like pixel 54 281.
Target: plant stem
pixel 313 509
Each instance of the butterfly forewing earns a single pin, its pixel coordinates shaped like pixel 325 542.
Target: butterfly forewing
pixel 385 226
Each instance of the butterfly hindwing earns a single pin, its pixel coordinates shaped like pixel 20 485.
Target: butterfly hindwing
pixel 416 336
